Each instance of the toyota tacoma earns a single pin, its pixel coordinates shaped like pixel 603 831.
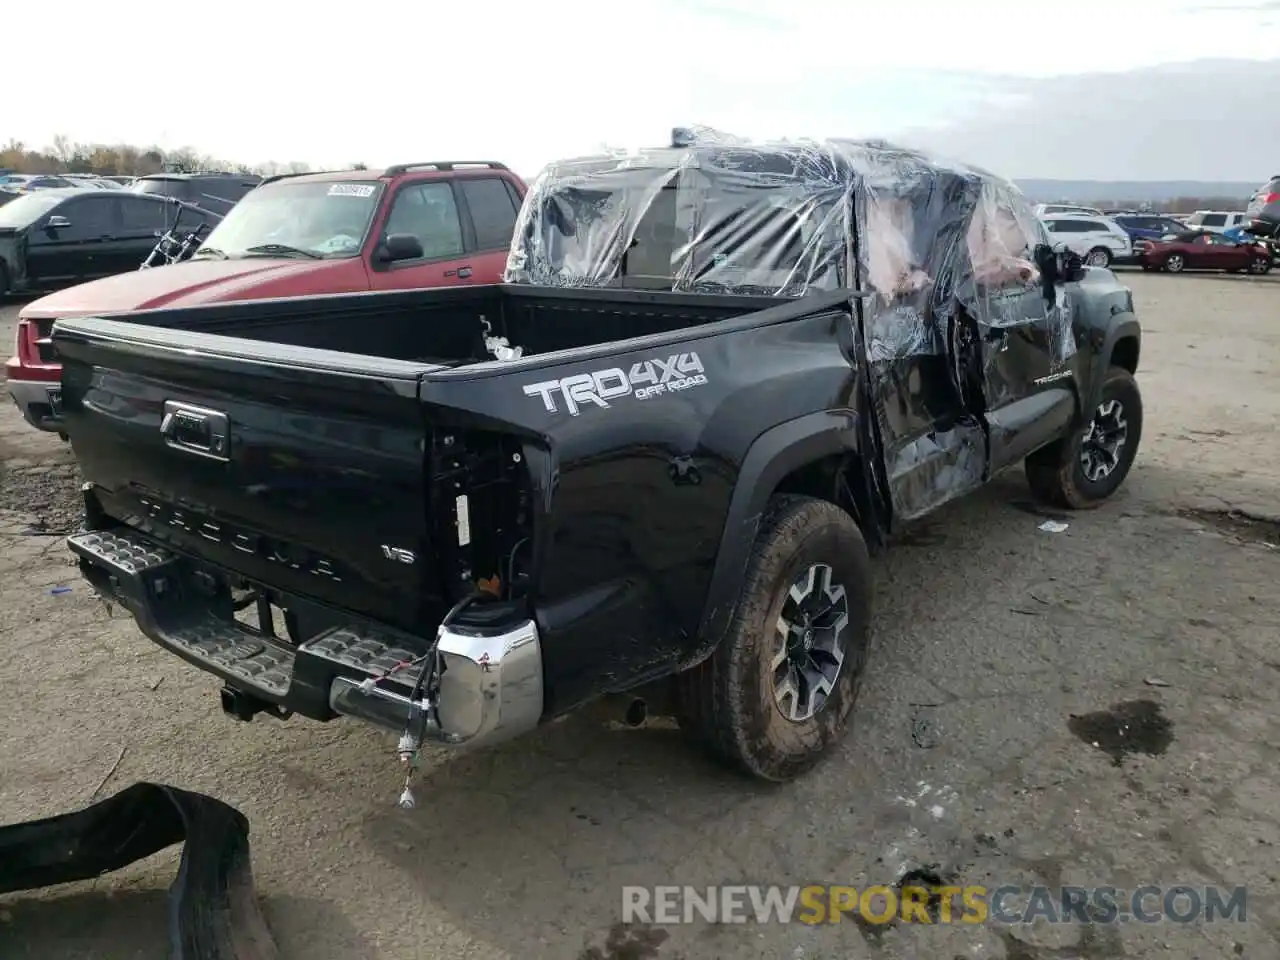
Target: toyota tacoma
pixel 717 375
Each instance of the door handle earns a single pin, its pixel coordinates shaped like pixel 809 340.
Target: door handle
pixel 464 272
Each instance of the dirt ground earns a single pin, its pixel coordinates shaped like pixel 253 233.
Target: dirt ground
pixel 973 755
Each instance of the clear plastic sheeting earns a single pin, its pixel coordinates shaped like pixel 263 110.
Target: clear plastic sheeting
pixel 936 468
pixel 927 239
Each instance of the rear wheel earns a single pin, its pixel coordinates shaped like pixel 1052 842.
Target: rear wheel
pixel 1175 263
pixel 1081 471
pixel 1098 257
pixel 1260 266
pixel 776 694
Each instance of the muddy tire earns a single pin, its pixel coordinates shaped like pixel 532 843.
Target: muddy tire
pixel 776 695
pixel 1081 471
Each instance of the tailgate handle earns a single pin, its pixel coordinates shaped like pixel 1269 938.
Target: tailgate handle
pixel 196 430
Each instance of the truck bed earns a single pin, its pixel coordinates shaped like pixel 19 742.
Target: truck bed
pixel 308 444
pixel 445 326
pixel 359 463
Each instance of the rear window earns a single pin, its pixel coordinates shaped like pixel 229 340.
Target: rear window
pixel 1210 219
pixel 27 209
pixel 692 232
pixel 161 186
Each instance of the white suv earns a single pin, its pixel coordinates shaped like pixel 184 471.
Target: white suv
pixel 1052 209
pixel 1217 221
pixel 1099 240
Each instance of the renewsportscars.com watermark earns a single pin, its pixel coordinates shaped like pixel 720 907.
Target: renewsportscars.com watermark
pixel 820 904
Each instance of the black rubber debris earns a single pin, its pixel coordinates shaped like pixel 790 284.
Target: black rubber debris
pixel 213 911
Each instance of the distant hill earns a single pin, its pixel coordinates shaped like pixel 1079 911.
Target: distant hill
pixel 1133 191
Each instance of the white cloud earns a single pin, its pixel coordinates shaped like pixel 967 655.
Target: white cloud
pixel 527 82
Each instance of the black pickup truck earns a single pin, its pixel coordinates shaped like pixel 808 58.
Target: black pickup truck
pixel 659 455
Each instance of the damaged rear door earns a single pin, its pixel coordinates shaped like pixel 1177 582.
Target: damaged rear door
pixel 1021 331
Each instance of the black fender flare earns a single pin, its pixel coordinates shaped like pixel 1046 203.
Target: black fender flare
pixel 773 455
pixel 1123 326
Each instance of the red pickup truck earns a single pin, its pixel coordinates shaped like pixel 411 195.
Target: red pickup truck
pixel 409 226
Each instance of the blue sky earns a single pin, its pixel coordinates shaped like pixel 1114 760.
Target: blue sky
pixel 528 82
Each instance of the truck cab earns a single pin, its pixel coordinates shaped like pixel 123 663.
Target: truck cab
pixel 412 225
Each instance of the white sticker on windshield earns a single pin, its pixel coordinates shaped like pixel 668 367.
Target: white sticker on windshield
pixel 351 190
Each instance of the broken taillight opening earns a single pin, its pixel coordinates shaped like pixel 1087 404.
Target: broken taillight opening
pixel 25 343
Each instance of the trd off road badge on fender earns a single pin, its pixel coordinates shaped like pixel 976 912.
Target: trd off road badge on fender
pixel 646 379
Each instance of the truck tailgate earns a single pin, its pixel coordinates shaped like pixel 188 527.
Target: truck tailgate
pixel 299 468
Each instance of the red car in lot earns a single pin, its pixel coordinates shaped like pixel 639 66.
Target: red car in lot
pixel 409 226
pixel 1202 250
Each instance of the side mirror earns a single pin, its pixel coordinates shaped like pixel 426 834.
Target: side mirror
pixel 57 223
pixel 1046 260
pixel 1072 267
pixel 400 246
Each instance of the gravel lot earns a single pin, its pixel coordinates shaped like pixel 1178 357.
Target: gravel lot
pixel 990 636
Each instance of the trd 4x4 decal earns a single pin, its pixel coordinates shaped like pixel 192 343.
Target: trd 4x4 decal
pixel 646 379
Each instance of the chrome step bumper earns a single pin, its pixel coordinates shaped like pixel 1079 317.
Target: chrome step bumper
pixel 490 686
pixel 488 683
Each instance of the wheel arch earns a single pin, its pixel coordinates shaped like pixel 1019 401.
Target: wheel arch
pixel 1121 347
pixel 816 455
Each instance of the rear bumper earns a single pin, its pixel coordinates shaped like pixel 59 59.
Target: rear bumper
pixel 38 401
pixel 1265 227
pixel 483 686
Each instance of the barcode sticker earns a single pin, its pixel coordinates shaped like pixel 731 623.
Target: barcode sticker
pixel 351 190
pixel 463 509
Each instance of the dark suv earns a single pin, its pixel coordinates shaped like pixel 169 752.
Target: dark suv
pixel 1264 210
pixel 216 192
pixel 59 237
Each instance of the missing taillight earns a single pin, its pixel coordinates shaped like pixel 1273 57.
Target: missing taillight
pixel 482 511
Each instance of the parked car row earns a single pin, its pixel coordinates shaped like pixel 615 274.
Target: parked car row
pixel 30 182
pixel 409 226
pixel 1228 240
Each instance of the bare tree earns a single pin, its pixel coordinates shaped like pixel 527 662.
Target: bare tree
pixel 63 150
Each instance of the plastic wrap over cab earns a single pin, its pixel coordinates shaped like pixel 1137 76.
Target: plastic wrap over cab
pixel 718 214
